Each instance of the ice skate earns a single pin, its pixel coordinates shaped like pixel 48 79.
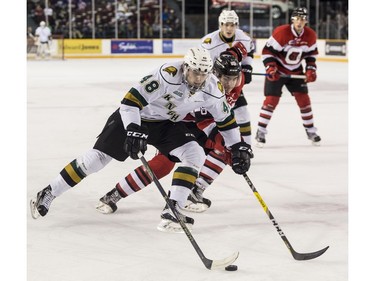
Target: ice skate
pixel 169 223
pixel 40 205
pixel 260 138
pixel 107 204
pixel 315 139
pixel 196 202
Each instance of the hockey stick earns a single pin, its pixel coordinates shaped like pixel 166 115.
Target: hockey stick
pixel 293 76
pixel 296 255
pixel 209 264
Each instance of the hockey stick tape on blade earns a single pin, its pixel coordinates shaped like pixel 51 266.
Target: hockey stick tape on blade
pixel 231 267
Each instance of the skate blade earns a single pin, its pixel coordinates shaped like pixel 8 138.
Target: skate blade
pixel 103 208
pixel 171 227
pixel 259 144
pixel 34 211
pixel 195 208
pixel 315 143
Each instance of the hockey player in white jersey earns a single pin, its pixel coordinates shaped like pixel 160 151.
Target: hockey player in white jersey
pixel 151 113
pixel 44 36
pixel 229 38
pixel 228 70
pixel 234 41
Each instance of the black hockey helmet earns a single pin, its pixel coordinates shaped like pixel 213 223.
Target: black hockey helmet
pixel 300 12
pixel 226 64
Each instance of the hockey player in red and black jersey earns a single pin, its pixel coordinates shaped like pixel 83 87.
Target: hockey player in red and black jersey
pixel 284 53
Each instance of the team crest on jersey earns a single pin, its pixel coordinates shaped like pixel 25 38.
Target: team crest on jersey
pixel 207 41
pixel 220 86
pixel 297 41
pixel 171 70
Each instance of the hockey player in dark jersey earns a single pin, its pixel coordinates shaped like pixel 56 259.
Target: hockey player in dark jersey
pixel 284 53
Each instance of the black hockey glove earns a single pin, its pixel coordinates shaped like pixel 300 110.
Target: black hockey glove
pixel 247 70
pixel 136 140
pixel 241 155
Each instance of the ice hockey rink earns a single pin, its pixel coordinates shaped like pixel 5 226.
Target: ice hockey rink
pixel 304 186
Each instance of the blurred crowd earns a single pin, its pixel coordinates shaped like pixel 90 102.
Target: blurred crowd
pixel 334 25
pixel 102 22
pixel 119 19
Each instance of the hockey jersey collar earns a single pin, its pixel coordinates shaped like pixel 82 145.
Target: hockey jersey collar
pixel 295 33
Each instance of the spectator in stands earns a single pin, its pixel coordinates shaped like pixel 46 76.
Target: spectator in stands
pixel 87 27
pixel 81 5
pixel 156 28
pixel 147 25
pixel 48 14
pixel 30 40
pixel 130 28
pixel 38 13
pixel 122 9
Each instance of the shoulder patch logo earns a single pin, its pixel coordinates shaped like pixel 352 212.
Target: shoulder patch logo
pixel 171 70
pixel 220 86
pixel 207 41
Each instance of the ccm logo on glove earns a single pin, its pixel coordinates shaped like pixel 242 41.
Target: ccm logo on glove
pixel 136 140
pixel 137 135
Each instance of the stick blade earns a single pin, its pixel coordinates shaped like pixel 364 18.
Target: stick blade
pixel 220 264
pixel 309 256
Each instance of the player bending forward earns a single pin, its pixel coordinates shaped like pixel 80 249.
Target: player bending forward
pixel 151 113
pixel 289 45
pixel 228 70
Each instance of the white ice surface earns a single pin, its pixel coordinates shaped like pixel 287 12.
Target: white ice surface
pixel 305 187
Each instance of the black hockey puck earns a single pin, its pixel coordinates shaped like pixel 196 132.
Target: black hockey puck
pixel 231 267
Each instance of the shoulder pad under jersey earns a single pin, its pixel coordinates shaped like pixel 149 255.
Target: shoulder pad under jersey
pixel 242 36
pixel 213 87
pixel 209 39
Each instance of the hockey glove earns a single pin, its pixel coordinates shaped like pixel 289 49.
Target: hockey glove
pixel 238 50
pixel 136 140
pixel 271 70
pixel 310 73
pixel 241 155
pixel 247 70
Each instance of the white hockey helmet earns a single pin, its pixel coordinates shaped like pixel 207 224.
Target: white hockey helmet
pixel 197 67
pixel 42 23
pixel 228 16
pixel 198 59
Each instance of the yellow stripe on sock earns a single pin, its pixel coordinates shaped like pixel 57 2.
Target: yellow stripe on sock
pixel 72 173
pixel 184 176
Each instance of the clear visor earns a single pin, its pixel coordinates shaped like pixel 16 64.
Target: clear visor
pixel 300 17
